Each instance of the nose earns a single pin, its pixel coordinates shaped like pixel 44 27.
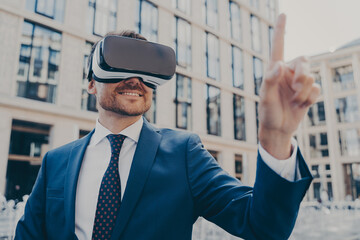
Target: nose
pixel 133 80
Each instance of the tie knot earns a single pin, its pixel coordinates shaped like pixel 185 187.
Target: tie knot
pixel 116 141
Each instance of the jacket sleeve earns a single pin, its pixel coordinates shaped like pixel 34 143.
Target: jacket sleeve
pixel 32 223
pixel 266 211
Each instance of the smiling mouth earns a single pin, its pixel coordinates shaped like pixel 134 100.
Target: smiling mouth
pixel 131 94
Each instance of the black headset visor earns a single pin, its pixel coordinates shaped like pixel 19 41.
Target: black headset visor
pixel 117 58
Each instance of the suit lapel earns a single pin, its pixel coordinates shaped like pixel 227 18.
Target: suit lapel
pixel 146 149
pixel 72 173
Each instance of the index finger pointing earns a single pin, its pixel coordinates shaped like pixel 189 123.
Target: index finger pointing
pixel 277 52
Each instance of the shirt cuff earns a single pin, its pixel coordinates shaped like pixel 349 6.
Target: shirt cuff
pixel 287 168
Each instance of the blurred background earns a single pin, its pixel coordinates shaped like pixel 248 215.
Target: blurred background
pixel 222 50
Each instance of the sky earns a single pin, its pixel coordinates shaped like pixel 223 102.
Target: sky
pixel 318 26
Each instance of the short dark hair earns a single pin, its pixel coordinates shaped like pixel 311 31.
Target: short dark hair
pixel 125 33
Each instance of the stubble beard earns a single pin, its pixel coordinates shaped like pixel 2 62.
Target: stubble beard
pixel 113 105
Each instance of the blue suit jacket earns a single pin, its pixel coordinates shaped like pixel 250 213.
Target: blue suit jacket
pixel 173 180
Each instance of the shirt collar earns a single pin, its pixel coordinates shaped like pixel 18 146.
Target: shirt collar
pixel 132 131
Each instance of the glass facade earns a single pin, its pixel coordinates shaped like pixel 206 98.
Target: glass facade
pixel 182 5
pixel 318 145
pixel 349 140
pixel 255 33
pixel 183 43
pixel 316 115
pixel 38 71
pixel 211 13
pixel 239 118
pixel 146 20
pixel 347 109
pixel 53 9
pixel 213 110
pixel 235 21
pixel 343 78
pixel 212 57
pixel 88 101
pixel 237 67
pixel 183 100
pixel 102 16
pixel 257 73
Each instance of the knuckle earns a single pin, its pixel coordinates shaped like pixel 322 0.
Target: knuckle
pixel 311 79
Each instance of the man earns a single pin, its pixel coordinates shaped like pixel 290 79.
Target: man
pixel 165 179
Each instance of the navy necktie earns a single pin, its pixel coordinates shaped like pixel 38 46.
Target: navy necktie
pixel 109 199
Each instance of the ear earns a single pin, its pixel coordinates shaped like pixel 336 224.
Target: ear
pixel 91 87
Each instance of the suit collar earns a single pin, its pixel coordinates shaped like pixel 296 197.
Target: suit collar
pixel 132 132
pixel 72 173
pixel 141 166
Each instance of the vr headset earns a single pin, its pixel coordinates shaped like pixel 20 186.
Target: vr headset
pixel 118 58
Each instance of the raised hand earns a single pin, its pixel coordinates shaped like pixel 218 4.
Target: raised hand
pixel 286 94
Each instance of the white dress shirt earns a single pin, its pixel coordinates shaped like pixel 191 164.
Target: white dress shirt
pixel 96 160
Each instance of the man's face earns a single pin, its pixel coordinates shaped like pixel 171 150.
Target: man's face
pixel 130 97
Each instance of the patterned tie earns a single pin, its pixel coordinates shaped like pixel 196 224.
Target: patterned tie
pixel 109 199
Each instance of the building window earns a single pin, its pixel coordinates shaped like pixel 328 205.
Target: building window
pixel 349 140
pixel 255 33
pixel 146 20
pixel 328 170
pixel 237 67
pixel 235 21
pixel 317 78
pixel 343 78
pixel 239 117
pixel 53 9
pixel 352 180
pixel 257 119
pixel 318 145
pixel 39 61
pixel 212 57
pixel 316 114
pixel 88 101
pixel 315 171
pixel 102 16
pixel 213 110
pixel 255 4
pixel 317 186
pixel 271 10
pixel 182 5
pixel 211 13
pixel 150 115
pixel 28 144
pixel 239 166
pixel 271 36
pixel 347 109
pixel 183 102
pixel 183 43
pixel 258 74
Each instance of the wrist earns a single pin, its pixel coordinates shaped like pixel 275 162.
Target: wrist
pixel 276 143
